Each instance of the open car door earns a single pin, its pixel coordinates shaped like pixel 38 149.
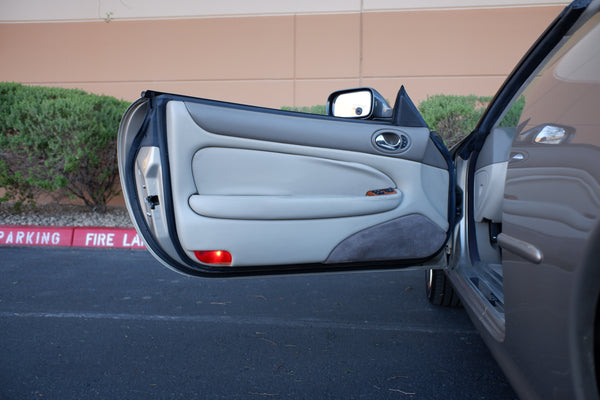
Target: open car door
pixel 219 189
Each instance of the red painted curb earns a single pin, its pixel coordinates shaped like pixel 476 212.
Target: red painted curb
pixel 126 238
pixel 35 236
pixel 97 237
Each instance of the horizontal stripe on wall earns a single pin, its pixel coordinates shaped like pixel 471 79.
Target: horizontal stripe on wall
pixel 107 10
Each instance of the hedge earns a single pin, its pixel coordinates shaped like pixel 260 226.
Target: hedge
pixel 318 109
pixel 453 116
pixel 55 140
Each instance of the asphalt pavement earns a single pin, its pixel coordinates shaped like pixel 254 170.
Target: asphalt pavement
pixel 115 324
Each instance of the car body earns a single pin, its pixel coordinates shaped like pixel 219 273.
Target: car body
pixel 508 221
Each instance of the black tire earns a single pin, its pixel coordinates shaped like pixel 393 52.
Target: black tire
pixel 439 290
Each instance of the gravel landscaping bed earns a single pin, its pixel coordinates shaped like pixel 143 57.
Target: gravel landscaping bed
pixel 64 215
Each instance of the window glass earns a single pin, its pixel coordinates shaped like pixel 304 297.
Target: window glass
pixel 562 99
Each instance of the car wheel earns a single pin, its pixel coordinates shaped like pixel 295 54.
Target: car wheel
pixel 439 289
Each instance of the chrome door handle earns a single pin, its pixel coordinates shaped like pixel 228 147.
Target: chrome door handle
pixel 391 141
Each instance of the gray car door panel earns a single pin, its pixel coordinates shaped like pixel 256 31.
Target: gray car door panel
pixel 490 175
pixel 279 191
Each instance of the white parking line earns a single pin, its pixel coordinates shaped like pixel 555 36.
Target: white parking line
pixel 243 320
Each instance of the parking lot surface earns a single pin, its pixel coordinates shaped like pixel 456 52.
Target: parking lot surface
pixel 115 324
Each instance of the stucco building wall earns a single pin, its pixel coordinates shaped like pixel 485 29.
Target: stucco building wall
pixel 269 53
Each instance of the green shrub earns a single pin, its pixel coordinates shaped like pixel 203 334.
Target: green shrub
pixel 54 139
pixel 318 109
pixel 454 117
pixel 512 116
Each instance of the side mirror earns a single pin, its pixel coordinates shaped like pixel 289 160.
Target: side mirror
pixel 363 103
pixel 546 134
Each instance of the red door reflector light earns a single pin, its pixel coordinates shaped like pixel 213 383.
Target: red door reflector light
pixel 219 257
